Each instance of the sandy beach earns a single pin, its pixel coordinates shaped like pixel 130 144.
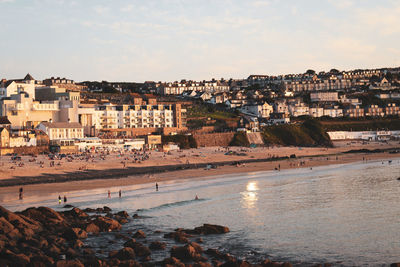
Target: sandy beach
pixel 308 157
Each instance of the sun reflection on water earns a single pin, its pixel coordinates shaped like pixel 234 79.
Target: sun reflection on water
pixel 250 196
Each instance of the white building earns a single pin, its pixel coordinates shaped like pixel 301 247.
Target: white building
pixel 125 116
pixel 316 112
pixel 13 87
pixel 258 110
pixel 62 130
pixel 324 96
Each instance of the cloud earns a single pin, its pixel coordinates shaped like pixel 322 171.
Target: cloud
pixel 384 20
pixel 127 8
pixel 101 10
pixel 342 4
pixel 350 47
pixel 6 1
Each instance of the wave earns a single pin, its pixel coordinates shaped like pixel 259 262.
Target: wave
pixel 173 204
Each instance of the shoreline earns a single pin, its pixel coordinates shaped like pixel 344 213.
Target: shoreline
pixel 177 173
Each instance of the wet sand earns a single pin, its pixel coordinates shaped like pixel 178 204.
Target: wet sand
pixel 305 158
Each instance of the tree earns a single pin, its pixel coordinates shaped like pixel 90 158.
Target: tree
pixel 334 71
pixel 310 72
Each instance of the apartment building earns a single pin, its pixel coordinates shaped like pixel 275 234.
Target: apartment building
pixel 374 111
pixel 333 112
pixel 392 109
pixel 354 112
pixel 324 96
pixel 316 85
pixel 109 116
pixel 259 110
pixel 177 88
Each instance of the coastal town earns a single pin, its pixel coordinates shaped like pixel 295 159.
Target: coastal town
pixel 58 115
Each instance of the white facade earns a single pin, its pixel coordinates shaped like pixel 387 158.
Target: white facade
pixel 62 130
pixel 119 117
pixel 261 111
pixel 316 112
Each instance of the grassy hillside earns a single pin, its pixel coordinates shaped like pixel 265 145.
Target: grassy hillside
pixel 309 133
pixel 362 125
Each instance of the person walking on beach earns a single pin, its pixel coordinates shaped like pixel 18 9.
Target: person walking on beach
pixel 120 193
pixel 109 194
pixel 156 187
pixel 59 199
pixel 65 198
pixel 21 191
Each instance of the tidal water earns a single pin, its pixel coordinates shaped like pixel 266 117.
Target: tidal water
pixel 347 215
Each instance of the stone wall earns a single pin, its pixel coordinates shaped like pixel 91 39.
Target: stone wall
pixel 24 150
pixel 213 139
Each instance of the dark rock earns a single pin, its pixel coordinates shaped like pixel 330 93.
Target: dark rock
pixel 76 213
pixel 92 228
pixel 173 262
pixel 89 210
pixel 71 253
pixel 5 226
pixel 18 220
pixel 208 229
pixel 77 243
pixel 129 263
pixel 69 263
pixel 44 215
pixel 157 245
pixel 187 252
pixel 197 247
pixel 398 263
pixel 135 216
pixel 139 234
pixel 68 206
pixel 107 224
pixel 140 249
pixel 41 260
pixel 202 264
pixel 214 253
pixel 106 209
pixel 179 236
pixel 123 214
pixel 236 263
pixel 74 233
pixel 125 254
pixel 16 259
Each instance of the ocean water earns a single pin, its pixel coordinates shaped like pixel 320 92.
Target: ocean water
pixel 348 215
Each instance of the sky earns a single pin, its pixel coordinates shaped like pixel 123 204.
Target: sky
pixel 168 40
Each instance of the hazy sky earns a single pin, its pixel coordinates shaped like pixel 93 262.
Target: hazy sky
pixel 167 40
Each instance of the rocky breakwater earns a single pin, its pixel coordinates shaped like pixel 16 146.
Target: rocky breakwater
pixel 44 237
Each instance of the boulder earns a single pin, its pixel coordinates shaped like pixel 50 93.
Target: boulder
pixel 129 263
pixel 202 264
pixel 140 249
pixel 17 220
pixel 5 226
pixel 74 233
pixel 41 260
pixel 107 224
pixel 236 263
pixel 125 254
pixel 76 213
pixel 179 236
pixel 123 214
pixel 208 229
pixel 92 228
pixel 106 209
pixel 139 234
pixel 172 262
pixel 44 215
pixel 69 263
pixel 214 253
pixel 157 245
pixel 187 252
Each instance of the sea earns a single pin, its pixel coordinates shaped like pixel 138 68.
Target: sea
pixel 346 214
